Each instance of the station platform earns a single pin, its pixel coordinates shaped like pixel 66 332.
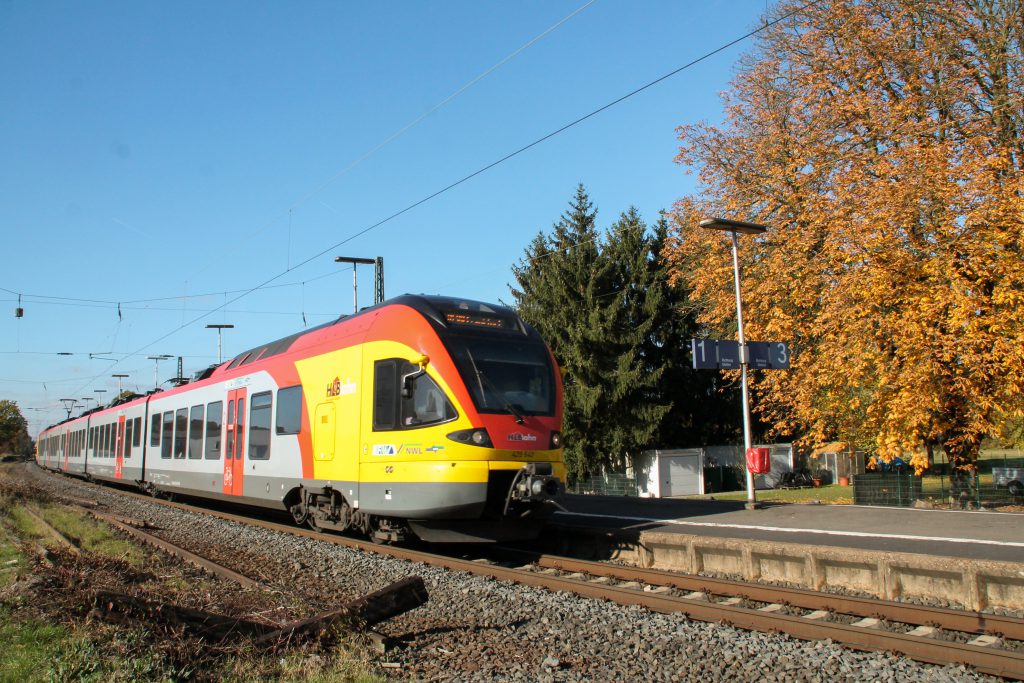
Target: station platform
pixel 974 559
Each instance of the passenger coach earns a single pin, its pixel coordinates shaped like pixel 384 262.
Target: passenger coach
pixel 427 415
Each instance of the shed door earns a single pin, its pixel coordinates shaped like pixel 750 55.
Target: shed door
pixel 683 476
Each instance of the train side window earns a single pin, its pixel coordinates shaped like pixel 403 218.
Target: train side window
pixel 195 432
pixel 229 450
pixel 154 430
pixel 92 436
pixel 167 436
pixel 385 395
pixel 289 410
pixel 425 404
pixel 214 413
pixel 106 441
pixel 180 432
pixel 137 434
pixel 259 425
pixel 128 428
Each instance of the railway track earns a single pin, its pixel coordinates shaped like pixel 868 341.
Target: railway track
pixel 990 643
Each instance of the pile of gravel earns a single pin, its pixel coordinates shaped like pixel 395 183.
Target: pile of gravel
pixel 480 629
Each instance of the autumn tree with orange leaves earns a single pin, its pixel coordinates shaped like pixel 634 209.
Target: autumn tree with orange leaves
pixel 883 142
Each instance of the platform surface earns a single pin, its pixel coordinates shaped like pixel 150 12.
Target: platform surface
pixel 978 535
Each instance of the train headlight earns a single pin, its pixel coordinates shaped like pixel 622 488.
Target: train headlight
pixel 556 440
pixel 472 437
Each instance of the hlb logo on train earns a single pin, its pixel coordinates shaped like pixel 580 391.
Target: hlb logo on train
pixel 521 437
pixel 336 388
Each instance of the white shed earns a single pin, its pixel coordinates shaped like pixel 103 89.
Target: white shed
pixel 678 472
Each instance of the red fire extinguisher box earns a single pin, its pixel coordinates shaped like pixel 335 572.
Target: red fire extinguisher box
pixel 759 461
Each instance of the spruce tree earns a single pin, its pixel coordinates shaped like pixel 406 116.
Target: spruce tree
pixel 558 283
pixel 620 332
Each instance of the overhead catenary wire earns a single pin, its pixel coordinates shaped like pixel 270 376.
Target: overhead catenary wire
pixel 482 170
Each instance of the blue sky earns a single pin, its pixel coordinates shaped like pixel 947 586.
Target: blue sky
pixel 159 151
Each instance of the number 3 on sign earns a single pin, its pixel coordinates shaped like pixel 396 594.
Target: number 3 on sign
pixel 780 357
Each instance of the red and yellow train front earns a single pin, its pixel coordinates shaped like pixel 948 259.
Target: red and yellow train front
pixel 456 423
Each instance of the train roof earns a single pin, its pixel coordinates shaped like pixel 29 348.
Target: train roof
pixel 432 307
pixel 443 311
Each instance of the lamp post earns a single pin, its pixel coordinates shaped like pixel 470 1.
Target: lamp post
pixel 156 368
pixel 733 228
pixel 219 328
pixel 120 376
pixel 355 283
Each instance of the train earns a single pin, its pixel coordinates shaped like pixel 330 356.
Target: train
pixel 425 417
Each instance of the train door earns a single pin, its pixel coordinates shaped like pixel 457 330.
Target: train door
pixel 234 446
pixel 119 448
pixel 323 432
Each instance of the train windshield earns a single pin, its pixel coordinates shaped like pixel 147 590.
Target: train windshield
pixel 505 375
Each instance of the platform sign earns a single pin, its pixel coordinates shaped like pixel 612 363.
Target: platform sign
pixel 705 354
pixel 728 355
pixel 760 355
pixel 712 354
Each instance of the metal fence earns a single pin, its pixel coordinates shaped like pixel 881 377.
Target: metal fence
pixel 610 484
pixel 964 490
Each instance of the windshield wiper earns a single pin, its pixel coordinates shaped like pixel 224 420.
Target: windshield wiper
pixel 482 378
pixel 510 407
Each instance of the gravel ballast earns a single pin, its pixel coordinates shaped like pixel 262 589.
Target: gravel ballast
pixel 480 629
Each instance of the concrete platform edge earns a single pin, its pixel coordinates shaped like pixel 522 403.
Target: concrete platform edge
pixel 970 584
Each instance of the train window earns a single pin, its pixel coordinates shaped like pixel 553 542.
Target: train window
pixel 106 441
pixel 195 432
pixel 229 452
pixel 240 428
pixel 167 434
pixel 154 430
pixel 180 432
pixel 289 410
pixel 137 434
pixel 92 436
pixel 259 426
pixel 425 403
pixel 128 428
pixel 385 395
pixel 213 418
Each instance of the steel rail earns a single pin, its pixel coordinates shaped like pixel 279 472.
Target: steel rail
pixel 907 613
pixel 52 531
pixel 999 662
pixel 187 555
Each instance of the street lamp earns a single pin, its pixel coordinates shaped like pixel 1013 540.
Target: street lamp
pixel 219 328
pixel 156 368
pixel 355 283
pixel 120 376
pixel 733 227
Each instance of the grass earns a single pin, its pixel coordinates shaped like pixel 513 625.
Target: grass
pixel 833 495
pixel 43 636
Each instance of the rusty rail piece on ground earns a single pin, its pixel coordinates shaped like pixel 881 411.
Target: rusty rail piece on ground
pixel 1006 663
pixel 51 531
pixel 198 560
pixel 119 607
pixel 390 601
